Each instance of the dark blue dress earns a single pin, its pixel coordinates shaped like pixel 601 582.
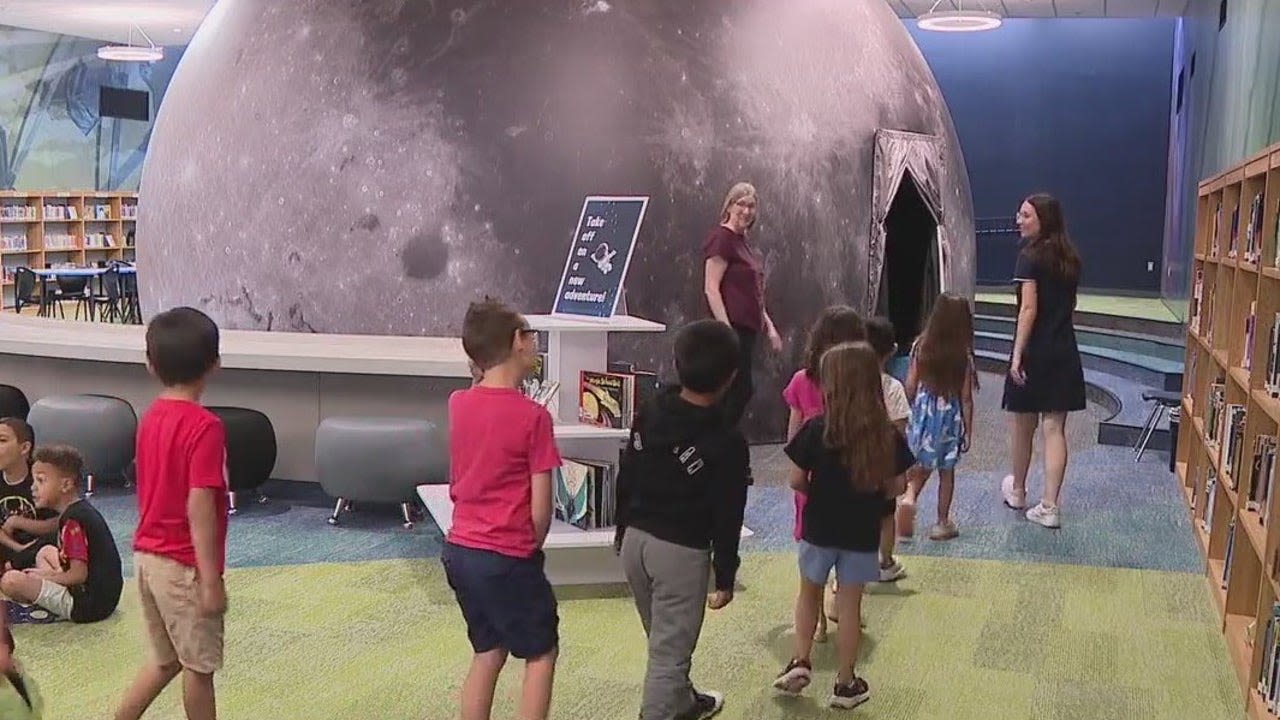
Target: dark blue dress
pixel 1050 360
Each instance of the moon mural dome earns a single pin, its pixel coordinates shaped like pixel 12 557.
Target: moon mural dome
pixel 370 166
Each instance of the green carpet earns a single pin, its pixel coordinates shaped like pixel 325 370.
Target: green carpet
pixel 956 639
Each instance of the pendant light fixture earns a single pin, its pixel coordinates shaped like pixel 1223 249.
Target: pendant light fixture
pixel 130 52
pixel 958 20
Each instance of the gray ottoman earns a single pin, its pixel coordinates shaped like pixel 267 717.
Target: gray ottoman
pixel 101 427
pixel 378 460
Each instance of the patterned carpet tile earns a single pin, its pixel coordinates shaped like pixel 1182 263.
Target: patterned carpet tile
pixel 957 639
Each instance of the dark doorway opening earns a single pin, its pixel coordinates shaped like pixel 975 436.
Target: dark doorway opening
pixel 911 279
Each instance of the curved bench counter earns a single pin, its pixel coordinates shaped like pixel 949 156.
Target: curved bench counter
pixel 295 379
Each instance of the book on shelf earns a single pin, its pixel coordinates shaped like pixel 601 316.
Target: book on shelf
pixel 1269 669
pixel 1210 497
pixel 1275 249
pixel 1272 380
pixel 1230 443
pixel 1234 238
pixel 1213 410
pixel 1227 557
pixel 1253 233
pixel 1258 482
pixel 1208 316
pixel 1249 323
pixel 1217 226
pixel 1197 299
pixel 584 493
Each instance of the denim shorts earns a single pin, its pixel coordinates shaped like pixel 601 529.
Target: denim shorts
pixel 506 601
pixel 851 566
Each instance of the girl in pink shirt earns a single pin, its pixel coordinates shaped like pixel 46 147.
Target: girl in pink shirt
pixel 837 324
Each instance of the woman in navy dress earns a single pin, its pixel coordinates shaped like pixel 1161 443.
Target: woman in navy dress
pixel 1046 379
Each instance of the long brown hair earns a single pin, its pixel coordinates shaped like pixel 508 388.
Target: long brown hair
pixel 1052 247
pixel 857 424
pixel 942 356
pixel 837 324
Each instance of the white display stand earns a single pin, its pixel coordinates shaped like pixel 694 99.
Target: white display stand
pixel 574 344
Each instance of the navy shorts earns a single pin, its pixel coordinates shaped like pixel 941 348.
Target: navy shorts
pixel 506 601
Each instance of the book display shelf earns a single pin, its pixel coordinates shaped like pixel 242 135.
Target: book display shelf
pixel 68 228
pixel 1230 415
pixel 574 556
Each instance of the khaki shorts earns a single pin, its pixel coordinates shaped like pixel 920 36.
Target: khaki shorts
pixel 171 609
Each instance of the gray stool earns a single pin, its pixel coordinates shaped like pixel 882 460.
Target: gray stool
pixel 101 427
pixel 1164 401
pixel 377 459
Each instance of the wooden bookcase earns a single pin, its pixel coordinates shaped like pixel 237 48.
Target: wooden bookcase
pixel 38 229
pixel 1230 361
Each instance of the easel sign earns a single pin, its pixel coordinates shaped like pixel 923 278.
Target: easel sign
pixel 599 257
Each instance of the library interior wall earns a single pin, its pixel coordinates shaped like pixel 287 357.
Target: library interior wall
pixel 398 161
pixel 1230 110
pixel 1074 107
pixel 51 137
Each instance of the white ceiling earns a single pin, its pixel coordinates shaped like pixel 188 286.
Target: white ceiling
pixel 173 22
pixel 1050 8
pixel 168 22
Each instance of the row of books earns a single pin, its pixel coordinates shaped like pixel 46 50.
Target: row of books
pixel 13 242
pixel 61 242
pixel 584 493
pixel 612 398
pixel 1201 307
pixel 17 212
pixel 1271 381
pixel 1230 442
pixel 1252 250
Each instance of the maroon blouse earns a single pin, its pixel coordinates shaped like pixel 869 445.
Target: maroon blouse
pixel 742 287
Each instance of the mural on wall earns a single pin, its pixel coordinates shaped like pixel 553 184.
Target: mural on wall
pixel 51 135
pixel 1230 110
pixel 401 159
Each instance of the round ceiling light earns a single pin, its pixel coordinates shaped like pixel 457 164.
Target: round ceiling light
pixel 130 53
pixel 959 21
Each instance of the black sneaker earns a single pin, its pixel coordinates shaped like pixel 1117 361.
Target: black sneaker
pixel 795 677
pixel 705 704
pixel 851 695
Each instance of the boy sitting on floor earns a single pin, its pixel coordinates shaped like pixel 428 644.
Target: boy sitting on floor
pixel 79 579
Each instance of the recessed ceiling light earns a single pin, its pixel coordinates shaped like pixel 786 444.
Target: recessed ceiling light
pixel 177 30
pixel 960 20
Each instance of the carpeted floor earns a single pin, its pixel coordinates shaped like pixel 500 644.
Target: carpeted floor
pixel 958 639
pixel 1108 617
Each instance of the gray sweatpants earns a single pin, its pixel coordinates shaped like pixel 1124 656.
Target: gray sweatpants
pixel 669 583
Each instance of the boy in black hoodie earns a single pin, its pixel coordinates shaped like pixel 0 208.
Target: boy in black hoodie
pixel 682 490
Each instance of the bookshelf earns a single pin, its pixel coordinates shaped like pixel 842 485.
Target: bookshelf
pixel 1226 459
pixel 50 228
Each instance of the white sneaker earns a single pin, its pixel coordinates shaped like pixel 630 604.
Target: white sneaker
pixel 892 573
pixel 1012 498
pixel 1044 515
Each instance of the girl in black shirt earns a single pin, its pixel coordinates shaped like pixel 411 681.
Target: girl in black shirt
pixel 848 461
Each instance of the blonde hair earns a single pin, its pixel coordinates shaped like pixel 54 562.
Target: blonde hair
pixel 737 192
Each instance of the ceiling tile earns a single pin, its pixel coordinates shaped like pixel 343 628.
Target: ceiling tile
pixel 1029 8
pixel 920 7
pixel 1081 8
pixel 167 22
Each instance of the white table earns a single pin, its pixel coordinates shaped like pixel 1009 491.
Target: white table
pixel 574 556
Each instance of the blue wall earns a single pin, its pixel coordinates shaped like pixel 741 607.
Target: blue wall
pixel 1075 107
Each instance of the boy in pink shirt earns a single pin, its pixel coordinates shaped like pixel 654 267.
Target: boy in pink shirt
pixel 502 451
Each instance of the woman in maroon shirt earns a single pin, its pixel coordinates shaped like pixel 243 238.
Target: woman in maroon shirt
pixel 734 286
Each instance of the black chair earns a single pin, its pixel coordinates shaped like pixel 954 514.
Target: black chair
pixel 24 290
pixel 251 451
pixel 1164 401
pixel 108 300
pixel 13 402
pixel 129 298
pixel 75 288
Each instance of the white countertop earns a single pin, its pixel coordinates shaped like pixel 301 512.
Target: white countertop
pixel 296 352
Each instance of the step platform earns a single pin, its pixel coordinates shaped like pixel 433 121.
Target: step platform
pixel 573 556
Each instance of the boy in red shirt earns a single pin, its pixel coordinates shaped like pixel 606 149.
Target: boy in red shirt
pixel 501 454
pixel 180 542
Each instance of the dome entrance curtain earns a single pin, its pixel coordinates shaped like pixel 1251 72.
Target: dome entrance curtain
pixel 898 153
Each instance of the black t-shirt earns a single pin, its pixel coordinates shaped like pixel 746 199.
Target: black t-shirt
pixel 17 500
pixel 98 597
pixel 835 514
pixel 1053 332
